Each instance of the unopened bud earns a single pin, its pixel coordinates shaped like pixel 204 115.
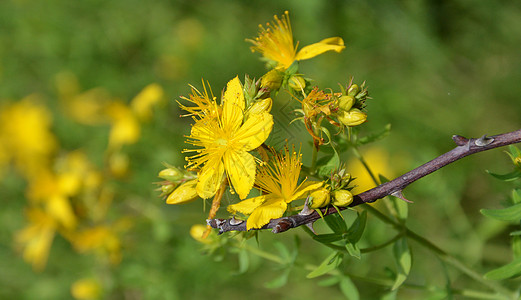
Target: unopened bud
pixel 167 189
pixel 170 174
pixel 346 102
pixel 353 90
pixel 272 80
pixel 342 198
pixel 297 83
pixel 260 106
pixel 185 193
pixel 352 118
pixel 517 162
pixel 319 198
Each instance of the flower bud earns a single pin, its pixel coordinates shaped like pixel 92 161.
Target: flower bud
pixel 272 79
pixel 352 118
pixel 346 102
pixel 353 90
pixel 319 198
pixel 167 189
pixel 185 193
pixel 170 174
pixel 297 82
pixel 260 106
pixel 342 198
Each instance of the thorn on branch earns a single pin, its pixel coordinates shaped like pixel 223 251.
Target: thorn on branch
pixel 460 140
pixel 483 141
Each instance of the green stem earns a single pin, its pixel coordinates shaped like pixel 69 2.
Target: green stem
pixel 261 253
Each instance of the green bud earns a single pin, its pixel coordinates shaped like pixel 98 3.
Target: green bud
pixel 352 118
pixel 171 174
pixel 272 79
pixel 320 198
pixel 342 198
pixel 353 90
pixel 346 102
pixel 297 82
pixel 167 189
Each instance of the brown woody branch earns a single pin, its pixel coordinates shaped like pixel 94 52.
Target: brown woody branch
pixel 464 148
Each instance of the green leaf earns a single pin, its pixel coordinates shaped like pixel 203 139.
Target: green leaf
pixel 509 214
pixel 510 270
pixel 514 151
pixel 328 238
pixel 279 281
pixel 507 177
pixel 403 258
pixel 329 264
pixel 516 196
pixel 330 166
pixel 357 228
pixel 329 281
pixel 516 246
pixel 375 136
pixel 348 288
pixel 515 233
pixel 353 250
pixel 244 261
pixel 389 296
pixel 336 223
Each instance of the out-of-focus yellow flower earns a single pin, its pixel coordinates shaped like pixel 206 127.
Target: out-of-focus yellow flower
pixel 118 164
pixel 142 104
pixel 279 182
pixel 36 238
pixel 185 193
pixel 379 163
pixel 197 231
pixel 103 240
pixel 125 127
pixel 86 289
pixel 26 135
pixel 224 142
pixel 275 43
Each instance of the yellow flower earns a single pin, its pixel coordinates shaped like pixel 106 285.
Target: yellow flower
pixel 26 137
pixel 275 43
pixel 185 193
pixel 279 182
pixel 86 289
pixel 101 239
pixel 36 238
pixel 125 126
pixel 142 104
pixel 224 142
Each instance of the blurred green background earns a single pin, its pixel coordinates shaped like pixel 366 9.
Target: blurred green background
pixel 434 69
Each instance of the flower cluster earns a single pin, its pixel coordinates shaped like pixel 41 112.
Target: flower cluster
pixel 228 138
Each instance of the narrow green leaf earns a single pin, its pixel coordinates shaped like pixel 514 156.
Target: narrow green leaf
pixel 357 228
pixel 515 233
pixel 514 151
pixel 328 238
pixel 509 214
pixel 353 250
pixel 403 258
pixel 330 263
pixel 244 261
pixel 389 296
pixel 375 136
pixel 348 288
pixel 507 177
pixel 283 250
pixel 278 281
pixel 512 269
pixel 336 223
pixel 516 246
pixel 329 281
pixel 516 196
pixel 330 166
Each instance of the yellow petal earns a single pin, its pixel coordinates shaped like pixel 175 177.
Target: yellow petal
pixel 306 187
pixel 240 167
pixel 144 101
pixel 247 206
pixel 185 193
pixel 329 44
pixel 210 178
pixel 233 105
pixel 254 131
pixel 271 209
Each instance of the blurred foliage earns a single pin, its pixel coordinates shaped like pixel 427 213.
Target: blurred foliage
pixel 435 68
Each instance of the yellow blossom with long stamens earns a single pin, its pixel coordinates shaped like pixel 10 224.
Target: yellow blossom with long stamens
pixel 224 139
pixel 279 182
pixel 275 43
